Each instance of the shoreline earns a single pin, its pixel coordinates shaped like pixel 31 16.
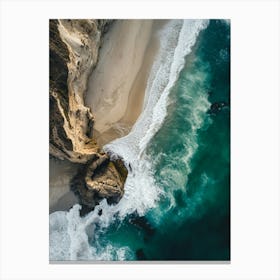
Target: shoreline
pixel 116 112
pixel 116 88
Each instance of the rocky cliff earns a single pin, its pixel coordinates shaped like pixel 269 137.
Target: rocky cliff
pixel 74 46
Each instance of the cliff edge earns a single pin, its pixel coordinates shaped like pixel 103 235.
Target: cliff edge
pixel 74 47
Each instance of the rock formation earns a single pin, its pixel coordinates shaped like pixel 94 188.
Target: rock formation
pixel 217 106
pixel 74 46
pixel 100 178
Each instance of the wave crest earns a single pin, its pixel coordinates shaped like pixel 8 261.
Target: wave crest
pixel 75 238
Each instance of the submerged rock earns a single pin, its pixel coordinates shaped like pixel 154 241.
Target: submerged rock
pixel 142 223
pixel 217 106
pixel 140 255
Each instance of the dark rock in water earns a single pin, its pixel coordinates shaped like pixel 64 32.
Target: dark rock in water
pixel 142 223
pixel 217 106
pixel 99 179
pixel 99 212
pixel 85 210
pixel 140 255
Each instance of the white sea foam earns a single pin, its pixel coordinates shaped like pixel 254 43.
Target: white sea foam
pixel 176 41
pixel 176 178
pixel 70 235
pixel 188 34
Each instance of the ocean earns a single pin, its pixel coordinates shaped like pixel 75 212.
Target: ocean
pixel 176 204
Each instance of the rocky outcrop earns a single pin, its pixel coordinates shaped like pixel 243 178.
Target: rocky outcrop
pixel 58 93
pixel 100 178
pixel 74 46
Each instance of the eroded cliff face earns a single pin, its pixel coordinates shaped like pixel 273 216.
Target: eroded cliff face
pixel 74 46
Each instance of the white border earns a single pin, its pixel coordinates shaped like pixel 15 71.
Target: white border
pixel 255 138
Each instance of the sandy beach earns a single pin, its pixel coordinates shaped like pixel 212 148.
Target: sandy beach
pixel 60 196
pixel 117 86
pixel 115 94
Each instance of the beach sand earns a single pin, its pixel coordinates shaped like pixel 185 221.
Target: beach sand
pixel 60 195
pixel 117 86
pixel 115 94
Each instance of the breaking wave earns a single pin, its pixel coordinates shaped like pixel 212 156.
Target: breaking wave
pixel 76 238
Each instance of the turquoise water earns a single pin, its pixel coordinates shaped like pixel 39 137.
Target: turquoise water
pixel 200 183
pixel 176 204
pixel 191 162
